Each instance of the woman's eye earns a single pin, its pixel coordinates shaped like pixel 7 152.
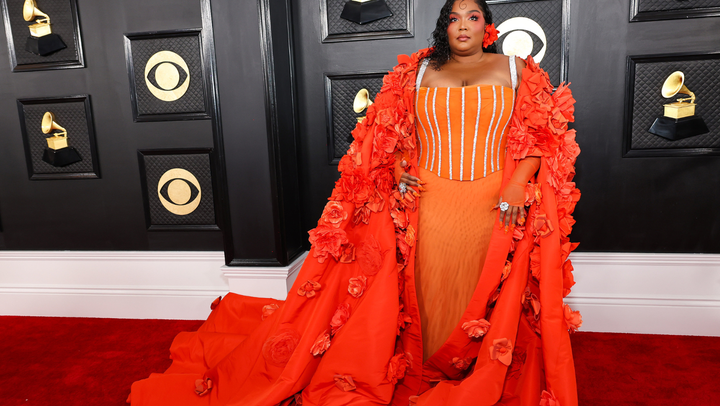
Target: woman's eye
pixel 453 19
pixel 473 18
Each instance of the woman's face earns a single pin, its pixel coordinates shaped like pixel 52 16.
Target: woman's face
pixel 466 28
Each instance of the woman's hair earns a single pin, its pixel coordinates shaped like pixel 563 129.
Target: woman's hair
pixel 440 37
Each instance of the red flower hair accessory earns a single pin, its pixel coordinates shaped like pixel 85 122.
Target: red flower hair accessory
pixel 491 35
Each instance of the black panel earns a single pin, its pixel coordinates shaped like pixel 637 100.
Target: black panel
pixel 139 49
pixel 75 115
pixel 256 87
pixel 340 91
pixel 64 22
pixel 646 75
pixel 551 16
pixel 107 213
pixel 335 28
pixel 198 180
pixel 628 205
pixel 648 10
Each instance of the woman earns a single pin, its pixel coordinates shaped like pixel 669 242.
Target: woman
pixel 354 329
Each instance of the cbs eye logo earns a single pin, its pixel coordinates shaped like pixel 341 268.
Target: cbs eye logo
pixel 179 191
pixel 518 38
pixel 167 76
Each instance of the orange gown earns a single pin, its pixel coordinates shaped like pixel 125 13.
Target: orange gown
pixel 462 134
pixel 349 332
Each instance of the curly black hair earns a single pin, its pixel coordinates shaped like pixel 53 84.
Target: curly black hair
pixel 440 41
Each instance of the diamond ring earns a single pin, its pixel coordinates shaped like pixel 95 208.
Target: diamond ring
pixel 504 206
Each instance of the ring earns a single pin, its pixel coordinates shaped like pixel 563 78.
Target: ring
pixel 402 187
pixel 504 206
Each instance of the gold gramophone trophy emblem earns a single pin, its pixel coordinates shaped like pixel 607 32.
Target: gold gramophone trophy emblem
pixel 58 153
pixel 679 120
pixel 362 102
pixel 41 41
pixel 365 11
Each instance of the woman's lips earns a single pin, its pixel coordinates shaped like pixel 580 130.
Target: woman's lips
pixel 463 38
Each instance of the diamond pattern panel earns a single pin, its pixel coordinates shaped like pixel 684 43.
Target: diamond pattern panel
pixel 199 166
pixel 700 78
pixel 662 5
pixel 344 118
pixel 337 25
pixel 61 21
pixel 548 14
pixel 73 117
pixel 193 101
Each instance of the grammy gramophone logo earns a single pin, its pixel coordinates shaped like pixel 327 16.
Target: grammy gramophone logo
pixel 361 103
pixel 58 153
pixel 679 120
pixel 41 41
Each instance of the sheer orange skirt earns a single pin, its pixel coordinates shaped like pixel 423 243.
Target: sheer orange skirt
pixel 454 229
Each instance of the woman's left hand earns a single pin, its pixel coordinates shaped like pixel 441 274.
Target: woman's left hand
pixel 514 215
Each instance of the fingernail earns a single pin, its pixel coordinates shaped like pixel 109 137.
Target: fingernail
pixel 506 229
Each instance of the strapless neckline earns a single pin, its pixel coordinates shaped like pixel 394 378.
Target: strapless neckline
pixel 464 87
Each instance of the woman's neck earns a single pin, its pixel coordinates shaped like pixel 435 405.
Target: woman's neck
pixel 467 59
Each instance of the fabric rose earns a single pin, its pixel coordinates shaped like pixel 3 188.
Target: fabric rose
pixel 327 241
pixel 333 214
pixel 461 363
pixel 403 319
pixel 573 319
pixel 278 349
pixel 400 218
pixel 396 368
pixel 568 278
pixel 215 303
pixel 518 360
pixel 344 382
pixel 501 350
pixel 543 227
pixel 357 285
pixel 490 36
pixel 341 316
pixel 531 303
pixel 203 386
pixel 548 399
pixel 376 202
pixel 476 328
pixel 353 187
pixel 308 289
pixel 506 270
pixel 322 343
pixel 410 235
pixel 370 256
pixel 348 254
pixel 267 310
pixel 361 215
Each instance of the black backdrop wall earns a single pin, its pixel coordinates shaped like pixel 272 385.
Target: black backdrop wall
pixel 660 204
pixel 269 140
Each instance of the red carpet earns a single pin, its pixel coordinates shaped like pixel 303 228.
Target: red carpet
pixel 71 361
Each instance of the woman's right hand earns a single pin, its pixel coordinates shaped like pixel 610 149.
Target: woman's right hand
pixel 412 182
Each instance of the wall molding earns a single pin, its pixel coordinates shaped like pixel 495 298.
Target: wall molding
pixel 647 293
pixel 138 285
pixel 615 292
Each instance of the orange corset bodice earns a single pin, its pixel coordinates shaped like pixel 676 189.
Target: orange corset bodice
pixel 462 131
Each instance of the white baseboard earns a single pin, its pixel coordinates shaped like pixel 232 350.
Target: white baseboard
pixel 134 285
pixel 647 293
pixel 629 293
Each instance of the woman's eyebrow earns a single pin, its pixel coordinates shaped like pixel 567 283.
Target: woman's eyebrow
pixel 467 12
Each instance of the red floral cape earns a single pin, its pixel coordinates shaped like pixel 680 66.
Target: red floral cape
pixel 349 331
